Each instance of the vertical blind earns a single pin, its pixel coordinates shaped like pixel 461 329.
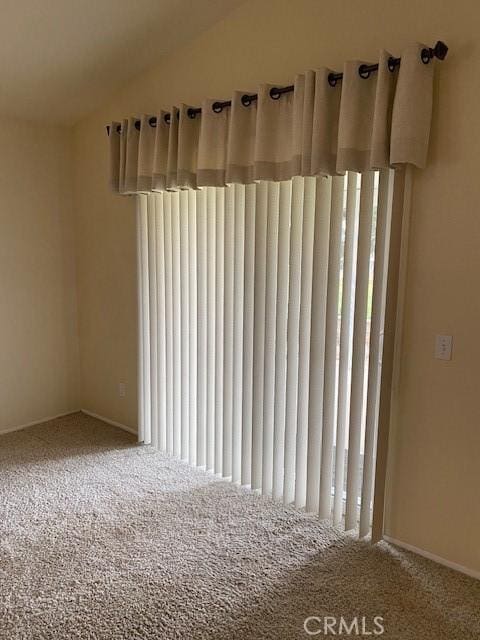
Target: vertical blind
pixel 261 311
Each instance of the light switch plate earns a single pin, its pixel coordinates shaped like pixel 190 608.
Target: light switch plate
pixel 443 347
pixel 122 389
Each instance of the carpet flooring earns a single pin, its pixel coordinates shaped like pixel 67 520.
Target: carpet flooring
pixel 103 539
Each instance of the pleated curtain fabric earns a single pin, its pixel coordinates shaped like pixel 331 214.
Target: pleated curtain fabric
pixel 261 315
pixel 358 124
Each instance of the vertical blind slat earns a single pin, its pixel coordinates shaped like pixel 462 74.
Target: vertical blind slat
pixel 152 297
pixel 177 327
pixel 304 342
pixel 147 425
pixel 393 311
pixel 359 351
pixel 192 325
pixel 202 329
pixel 219 290
pixel 385 194
pixel 169 326
pixel 238 286
pixel 348 288
pixel 228 331
pixel 248 304
pixel 211 275
pixel 140 204
pixel 317 339
pixel 259 332
pixel 270 313
pixel 161 333
pixel 185 317
pixel 293 327
pixel 281 337
pixel 331 338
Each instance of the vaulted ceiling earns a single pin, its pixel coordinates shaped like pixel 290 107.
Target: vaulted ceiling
pixel 59 59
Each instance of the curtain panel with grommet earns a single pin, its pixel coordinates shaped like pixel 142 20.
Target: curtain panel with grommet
pixel 324 124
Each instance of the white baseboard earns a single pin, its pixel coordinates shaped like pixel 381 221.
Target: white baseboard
pixel 35 422
pixel 108 421
pixel 431 556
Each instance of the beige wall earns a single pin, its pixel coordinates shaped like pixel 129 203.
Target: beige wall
pixel 435 468
pixel 38 315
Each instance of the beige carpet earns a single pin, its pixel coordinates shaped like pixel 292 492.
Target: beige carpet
pixel 103 539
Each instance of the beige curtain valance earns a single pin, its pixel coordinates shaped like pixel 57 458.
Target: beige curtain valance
pixel 317 129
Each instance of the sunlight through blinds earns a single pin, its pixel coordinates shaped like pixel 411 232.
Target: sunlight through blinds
pixel 261 312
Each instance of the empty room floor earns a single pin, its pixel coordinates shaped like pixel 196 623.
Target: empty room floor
pixel 102 538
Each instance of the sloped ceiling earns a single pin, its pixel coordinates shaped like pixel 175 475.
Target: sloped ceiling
pixel 59 59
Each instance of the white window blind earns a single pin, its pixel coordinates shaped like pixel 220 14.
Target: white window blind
pixel 261 313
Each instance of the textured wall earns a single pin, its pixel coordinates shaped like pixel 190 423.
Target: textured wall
pixel 433 493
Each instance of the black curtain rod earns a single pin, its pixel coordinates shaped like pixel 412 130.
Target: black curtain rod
pixel 364 70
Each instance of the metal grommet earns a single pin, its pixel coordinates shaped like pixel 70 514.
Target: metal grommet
pixel 274 93
pixel 217 107
pixel 191 113
pixel 166 118
pixel 426 55
pixel 246 100
pixel 152 121
pixel 391 64
pixel 440 50
pixel 363 71
pixel 332 81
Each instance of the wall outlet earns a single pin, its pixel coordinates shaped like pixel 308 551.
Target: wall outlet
pixel 443 347
pixel 122 389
